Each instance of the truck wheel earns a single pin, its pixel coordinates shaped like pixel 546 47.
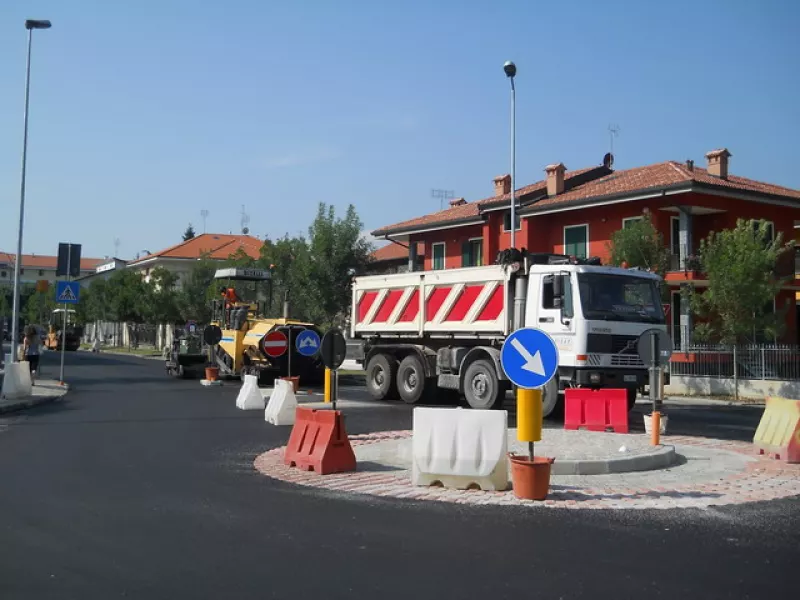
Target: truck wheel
pixel 411 379
pixel 550 397
pixel 481 385
pixel 632 393
pixel 381 375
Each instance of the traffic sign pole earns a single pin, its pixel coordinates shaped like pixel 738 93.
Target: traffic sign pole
pixel 529 417
pixel 64 326
pixel 328 374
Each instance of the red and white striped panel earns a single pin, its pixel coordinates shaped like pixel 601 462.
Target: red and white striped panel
pixel 457 306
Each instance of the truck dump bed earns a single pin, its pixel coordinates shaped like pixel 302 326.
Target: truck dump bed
pixel 453 302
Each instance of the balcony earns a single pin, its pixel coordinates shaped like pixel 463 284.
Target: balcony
pixel 683 266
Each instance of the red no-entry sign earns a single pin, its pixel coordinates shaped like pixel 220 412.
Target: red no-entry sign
pixel 275 344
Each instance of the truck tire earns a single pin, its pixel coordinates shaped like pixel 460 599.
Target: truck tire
pixel 550 398
pixel 482 387
pixel 381 376
pixel 411 379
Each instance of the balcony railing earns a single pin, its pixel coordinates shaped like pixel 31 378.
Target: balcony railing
pixel 692 262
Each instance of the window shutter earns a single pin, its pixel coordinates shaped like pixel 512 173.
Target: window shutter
pixel 465 255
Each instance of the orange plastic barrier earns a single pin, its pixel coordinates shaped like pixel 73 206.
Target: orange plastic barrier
pixel 319 443
pixel 778 433
pixel 596 410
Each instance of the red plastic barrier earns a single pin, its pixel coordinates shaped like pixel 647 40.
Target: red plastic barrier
pixel 319 443
pixel 596 410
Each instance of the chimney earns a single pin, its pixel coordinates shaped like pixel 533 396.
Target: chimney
pixel 502 185
pixel 457 201
pixel 718 163
pixel 690 165
pixel 555 179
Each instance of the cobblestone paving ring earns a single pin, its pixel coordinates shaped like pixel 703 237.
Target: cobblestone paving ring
pixel 741 477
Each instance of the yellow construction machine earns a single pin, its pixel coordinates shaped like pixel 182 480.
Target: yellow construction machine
pixel 252 344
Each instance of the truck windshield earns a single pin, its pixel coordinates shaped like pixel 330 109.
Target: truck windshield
pixel 619 298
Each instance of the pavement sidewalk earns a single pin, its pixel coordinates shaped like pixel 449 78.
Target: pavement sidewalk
pixel 44 392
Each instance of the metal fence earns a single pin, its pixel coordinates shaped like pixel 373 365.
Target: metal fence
pixel 764 361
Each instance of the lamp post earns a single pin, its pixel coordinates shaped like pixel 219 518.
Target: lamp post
pixel 30 25
pixel 510 70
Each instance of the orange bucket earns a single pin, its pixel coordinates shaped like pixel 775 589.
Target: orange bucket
pixel 530 478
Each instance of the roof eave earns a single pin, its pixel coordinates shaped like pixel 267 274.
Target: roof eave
pixel 643 193
pixel 387 233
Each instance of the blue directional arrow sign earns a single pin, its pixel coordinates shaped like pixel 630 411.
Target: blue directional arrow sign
pixel 67 292
pixel 529 358
pixel 307 342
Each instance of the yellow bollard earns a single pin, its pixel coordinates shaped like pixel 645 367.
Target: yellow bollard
pixel 529 415
pixel 328 378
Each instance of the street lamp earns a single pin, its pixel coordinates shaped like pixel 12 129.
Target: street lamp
pixel 30 25
pixel 510 70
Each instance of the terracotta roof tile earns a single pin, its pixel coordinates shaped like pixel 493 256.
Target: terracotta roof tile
pixel 218 246
pixel 473 209
pixel 43 261
pixel 596 186
pixel 657 176
pixel 395 252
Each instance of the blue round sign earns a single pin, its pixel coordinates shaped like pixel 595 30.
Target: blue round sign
pixel 307 342
pixel 529 358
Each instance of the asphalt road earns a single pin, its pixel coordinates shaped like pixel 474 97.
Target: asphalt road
pixel 139 486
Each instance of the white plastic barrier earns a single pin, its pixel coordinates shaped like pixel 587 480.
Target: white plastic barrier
pixel 282 404
pixel 17 381
pixel 460 448
pixel 250 397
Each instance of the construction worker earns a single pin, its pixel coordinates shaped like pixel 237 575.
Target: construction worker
pixel 229 298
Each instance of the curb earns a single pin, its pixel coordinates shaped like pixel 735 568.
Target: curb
pixel 112 353
pixel 30 402
pixel 658 459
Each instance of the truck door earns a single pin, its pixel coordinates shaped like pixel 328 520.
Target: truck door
pixel 542 312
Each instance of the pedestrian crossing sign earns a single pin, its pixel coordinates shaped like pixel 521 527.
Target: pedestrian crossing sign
pixel 67 292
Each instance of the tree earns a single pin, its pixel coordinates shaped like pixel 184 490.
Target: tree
pixel 5 303
pixel 39 307
pixel 160 301
pixel 189 233
pixel 740 264
pixel 125 297
pixel 197 292
pixel 640 244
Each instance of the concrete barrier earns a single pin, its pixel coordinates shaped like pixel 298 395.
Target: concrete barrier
pixel 250 397
pixel 460 448
pixel 16 381
pixel 778 433
pixel 282 404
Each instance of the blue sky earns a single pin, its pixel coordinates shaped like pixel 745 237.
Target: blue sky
pixel 145 113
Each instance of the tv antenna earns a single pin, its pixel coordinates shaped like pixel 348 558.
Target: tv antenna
pixel 613 131
pixel 116 247
pixel 204 214
pixel 245 220
pixel 442 195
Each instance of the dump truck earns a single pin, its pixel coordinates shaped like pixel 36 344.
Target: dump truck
pixel 420 332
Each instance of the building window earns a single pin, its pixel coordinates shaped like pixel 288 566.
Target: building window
pixel 627 222
pixel 437 252
pixel 2 273
pixel 22 271
pixel 770 233
pixel 576 241
pixel 507 221
pixel 41 273
pixel 675 236
pixel 472 253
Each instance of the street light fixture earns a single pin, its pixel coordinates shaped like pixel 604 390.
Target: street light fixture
pixel 510 70
pixel 30 25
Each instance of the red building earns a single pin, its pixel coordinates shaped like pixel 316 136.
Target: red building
pixel 575 213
